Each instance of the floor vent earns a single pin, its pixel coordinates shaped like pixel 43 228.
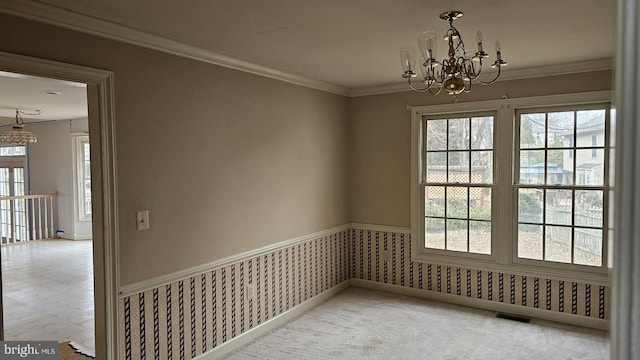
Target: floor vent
pixel 513 317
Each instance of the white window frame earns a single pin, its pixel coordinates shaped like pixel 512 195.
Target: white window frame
pixel 79 175
pixel 504 246
pixel 451 253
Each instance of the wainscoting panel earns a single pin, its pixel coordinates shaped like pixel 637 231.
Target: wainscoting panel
pixel 368 247
pixel 188 317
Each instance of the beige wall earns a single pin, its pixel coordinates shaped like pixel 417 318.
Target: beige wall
pixel 51 170
pixel 224 161
pixel 379 140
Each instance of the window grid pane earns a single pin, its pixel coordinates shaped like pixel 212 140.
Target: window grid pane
pixel 458 183
pixel 86 178
pixel 12 150
pixel 560 182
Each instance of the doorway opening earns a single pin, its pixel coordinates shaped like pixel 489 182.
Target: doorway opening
pixel 98 91
pixel 45 214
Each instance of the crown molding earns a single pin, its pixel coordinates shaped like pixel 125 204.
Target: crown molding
pixel 56 16
pixel 541 71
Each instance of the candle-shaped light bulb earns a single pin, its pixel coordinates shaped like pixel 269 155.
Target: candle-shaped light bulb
pixel 479 40
pixel 430 48
pixel 428 45
pixel 498 54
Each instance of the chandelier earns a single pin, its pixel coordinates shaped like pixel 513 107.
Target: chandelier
pixel 17 135
pixel 453 74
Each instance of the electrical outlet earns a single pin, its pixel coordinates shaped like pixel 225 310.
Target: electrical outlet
pixel 250 292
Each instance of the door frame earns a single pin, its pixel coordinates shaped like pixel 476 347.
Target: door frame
pixel 103 188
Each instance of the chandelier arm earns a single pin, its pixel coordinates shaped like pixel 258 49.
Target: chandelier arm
pixel 491 81
pixel 441 75
pixel 477 73
pixel 416 89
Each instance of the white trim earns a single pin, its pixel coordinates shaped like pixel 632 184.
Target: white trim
pixel 57 16
pixel 485 304
pixel 521 103
pixel 381 228
pixel 273 324
pixel 74 237
pixel 625 311
pixel 515 74
pixel 100 90
pixel 153 283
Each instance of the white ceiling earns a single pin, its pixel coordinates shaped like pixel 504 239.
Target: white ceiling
pixel 30 93
pixel 351 44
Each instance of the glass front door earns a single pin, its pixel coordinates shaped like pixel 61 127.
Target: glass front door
pixel 14 225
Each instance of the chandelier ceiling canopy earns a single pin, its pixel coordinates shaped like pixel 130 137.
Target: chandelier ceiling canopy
pixel 453 74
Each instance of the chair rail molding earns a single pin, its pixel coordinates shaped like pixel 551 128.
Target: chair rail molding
pixel 145 285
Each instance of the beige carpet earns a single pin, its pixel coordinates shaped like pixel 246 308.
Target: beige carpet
pixel 366 324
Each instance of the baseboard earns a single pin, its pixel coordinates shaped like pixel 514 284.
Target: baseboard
pixel 75 237
pixel 542 314
pixel 278 321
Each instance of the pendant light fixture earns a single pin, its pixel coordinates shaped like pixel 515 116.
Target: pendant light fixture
pixel 17 135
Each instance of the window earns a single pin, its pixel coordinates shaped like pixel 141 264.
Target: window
pixel 515 185
pixel 458 183
pixel 560 216
pixel 12 150
pixel 83 177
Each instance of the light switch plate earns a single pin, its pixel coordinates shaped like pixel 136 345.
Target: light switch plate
pixel 142 220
